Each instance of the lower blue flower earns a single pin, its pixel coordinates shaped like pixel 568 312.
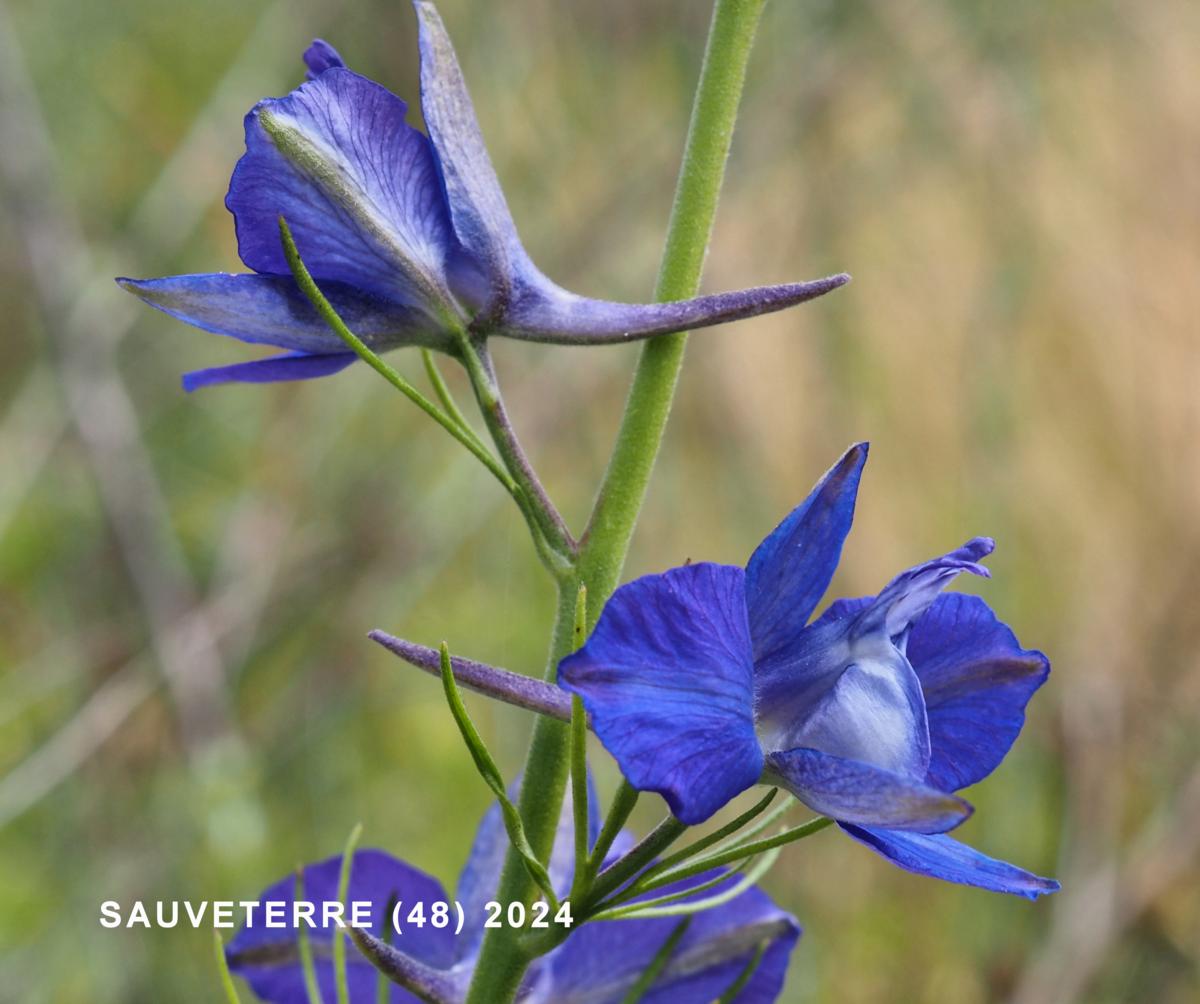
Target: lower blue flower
pixel 707 679
pixel 598 963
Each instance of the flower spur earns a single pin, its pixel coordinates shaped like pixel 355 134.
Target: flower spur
pixel 408 236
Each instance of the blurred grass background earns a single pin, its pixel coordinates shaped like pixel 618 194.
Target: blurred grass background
pixel 188 705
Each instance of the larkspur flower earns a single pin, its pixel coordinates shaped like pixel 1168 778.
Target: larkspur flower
pixel 408 236
pixel 706 679
pixel 598 963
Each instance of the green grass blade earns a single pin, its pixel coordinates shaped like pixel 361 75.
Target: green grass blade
pixel 231 994
pixel 339 934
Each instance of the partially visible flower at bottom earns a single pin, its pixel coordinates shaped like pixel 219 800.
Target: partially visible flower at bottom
pixel 598 963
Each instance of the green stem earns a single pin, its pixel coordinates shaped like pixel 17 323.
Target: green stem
pixel 502 962
pixel 579 792
pixel 714 113
pixel 231 994
pixel 503 958
pixel 622 805
pixel 440 388
pixel 477 361
pixel 553 544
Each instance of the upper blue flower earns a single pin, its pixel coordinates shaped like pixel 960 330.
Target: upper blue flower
pixel 598 963
pixel 408 236
pixel 705 679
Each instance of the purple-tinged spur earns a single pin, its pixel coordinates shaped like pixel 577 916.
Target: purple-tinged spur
pixel 706 679
pixel 408 236
pixel 598 963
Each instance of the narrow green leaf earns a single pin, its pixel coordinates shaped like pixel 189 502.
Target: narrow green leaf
pixel 579 794
pixel 231 994
pixel 442 390
pixel 739 851
pixel 646 980
pixel 624 897
pixel 694 848
pixel 491 775
pixel 304 947
pixel 339 934
pixel 639 857
pixel 744 977
pixel 622 805
pixel 500 971
pixel 649 910
pixel 782 809
pixel 310 289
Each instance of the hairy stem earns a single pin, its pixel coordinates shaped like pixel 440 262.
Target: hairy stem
pixel 714 113
pixel 502 962
pixel 478 363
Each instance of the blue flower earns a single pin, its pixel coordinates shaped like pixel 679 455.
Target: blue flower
pixel 408 236
pixel 598 963
pixel 706 679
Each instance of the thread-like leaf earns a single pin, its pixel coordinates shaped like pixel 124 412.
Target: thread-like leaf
pixel 491 775
pixel 648 909
pixel 312 988
pixel 231 994
pixel 339 934
pixel 651 973
pixel 744 977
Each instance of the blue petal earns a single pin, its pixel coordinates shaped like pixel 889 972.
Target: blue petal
pixel 668 681
pixel 533 307
pixel 977 680
pixel 852 697
pixel 843 685
pixel 321 56
pixel 873 713
pixel 358 186
pixel 910 593
pixel 943 857
pixel 266 956
pixel 292 366
pixel 789 571
pixel 543 312
pixel 601 961
pixel 480 215
pixel 271 310
pixel 856 792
